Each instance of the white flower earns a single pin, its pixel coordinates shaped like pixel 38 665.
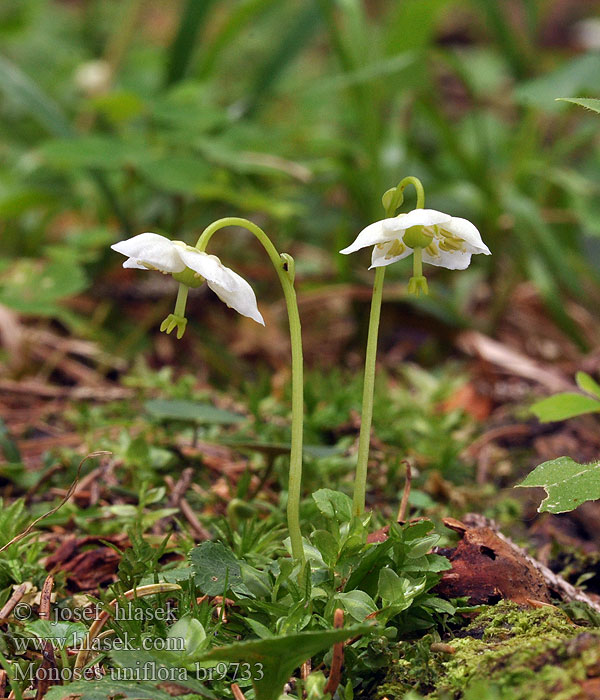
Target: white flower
pixel 446 241
pixel 149 251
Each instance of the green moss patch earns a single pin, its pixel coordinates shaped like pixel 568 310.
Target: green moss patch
pixel 505 652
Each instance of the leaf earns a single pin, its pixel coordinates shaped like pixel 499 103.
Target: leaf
pixel 93 152
pixel 580 73
pixel 275 659
pixel 18 87
pixel 357 604
pixel 588 103
pixel 106 688
pixel 334 504
pixel 191 411
pixel 185 41
pixel 216 569
pixel 181 174
pixel 566 482
pixel 34 286
pixel 587 383
pixel 562 406
pixel 327 545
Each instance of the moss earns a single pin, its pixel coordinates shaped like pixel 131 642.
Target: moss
pixel 517 653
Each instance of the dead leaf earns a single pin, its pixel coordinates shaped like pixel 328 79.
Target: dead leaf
pixel 485 569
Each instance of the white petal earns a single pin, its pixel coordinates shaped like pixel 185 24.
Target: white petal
pixel 450 259
pixel 130 262
pixel 416 217
pixel 461 228
pixel 373 234
pixel 154 250
pixel 386 229
pixel 238 295
pixel 209 266
pixel 378 258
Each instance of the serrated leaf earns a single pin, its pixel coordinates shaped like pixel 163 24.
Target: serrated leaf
pixel 588 103
pixel 275 659
pixel 567 483
pixel 587 383
pixel 563 406
pixel 191 411
pixel 216 569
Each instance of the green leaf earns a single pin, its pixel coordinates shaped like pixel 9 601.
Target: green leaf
pixel 93 152
pixel 562 406
pixel 357 604
pixel 566 482
pixel 399 591
pixel 334 504
pixel 587 383
pixel 192 632
pixel 276 659
pixel 216 569
pixel 34 286
pixel 580 73
pixel 588 103
pixel 191 411
pixel 182 47
pixel 181 174
pixel 106 688
pixel 326 543
pixel 19 88
pixel 62 634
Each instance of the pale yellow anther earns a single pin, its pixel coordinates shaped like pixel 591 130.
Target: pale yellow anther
pixel 448 244
pixel 432 250
pixel 397 248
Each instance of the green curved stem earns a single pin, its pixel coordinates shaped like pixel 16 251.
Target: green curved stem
pixel 418 185
pixel 284 266
pixel 364 439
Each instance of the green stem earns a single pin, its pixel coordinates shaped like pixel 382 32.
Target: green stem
pixel 418 262
pixel 182 295
pixel 364 440
pixel 284 266
pixel 418 185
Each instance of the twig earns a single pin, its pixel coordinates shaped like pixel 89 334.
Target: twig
pixel 190 516
pixel 179 489
pixel 49 661
pixel 406 492
pixel 10 604
pixel 45 597
pixel 68 495
pixel 337 662
pixel 555 582
pixel 237 692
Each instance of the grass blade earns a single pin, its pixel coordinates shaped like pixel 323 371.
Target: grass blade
pixel 184 43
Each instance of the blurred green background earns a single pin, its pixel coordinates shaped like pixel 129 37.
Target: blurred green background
pixel 125 116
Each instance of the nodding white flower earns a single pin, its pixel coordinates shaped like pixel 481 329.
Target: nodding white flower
pixel 149 251
pixel 446 241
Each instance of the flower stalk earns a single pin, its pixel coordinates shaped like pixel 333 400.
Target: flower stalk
pixel 284 266
pixel 391 200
